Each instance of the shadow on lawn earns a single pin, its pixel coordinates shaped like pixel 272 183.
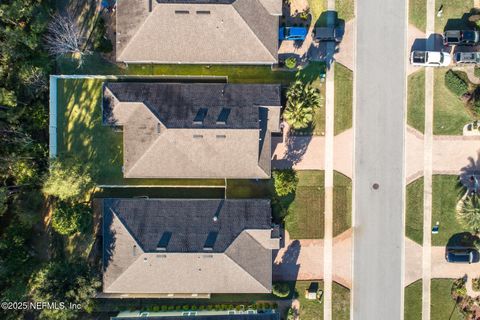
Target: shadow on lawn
pixel 463 22
pixel 285 266
pixel 461 240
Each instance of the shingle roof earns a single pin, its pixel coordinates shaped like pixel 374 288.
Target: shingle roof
pixel 138 258
pixel 163 139
pixel 257 316
pixel 208 31
pixel 177 104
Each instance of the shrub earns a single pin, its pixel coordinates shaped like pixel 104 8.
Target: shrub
pixel 156 309
pixel 290 314
pixel 281 289
pixel 101 42
pixel 186 307
pixel 476 72
pixel 285 181
pixel 476 284
pixel 171 308
pixel 164 308
pixel 68 219
pixel 290 62
pixel 178 308
pixel 455 83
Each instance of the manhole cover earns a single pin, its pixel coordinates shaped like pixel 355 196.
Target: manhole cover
pixel 375 186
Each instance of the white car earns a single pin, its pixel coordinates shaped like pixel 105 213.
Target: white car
pixel 430 58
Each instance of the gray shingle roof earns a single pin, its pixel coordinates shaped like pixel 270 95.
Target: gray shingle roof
pixel 139 259
pixel 177 104
pixel 240 31
pixel 188 221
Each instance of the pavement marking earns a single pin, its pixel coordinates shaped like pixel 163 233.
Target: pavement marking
pixel 427 170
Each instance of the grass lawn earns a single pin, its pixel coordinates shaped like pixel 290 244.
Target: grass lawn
pixel 177 193
pixel 449 114
pixel 416 100
pixel 443 307
pixel 244 189
pixel 414 211
pixel 417 14
pixel 316 8
pixel 413 301
pixel 445 194
pixel 453 14
pixel 305 218
pixel 345 9
pixel 342 203
pixel 340 302
pixel 343 98
pixel 309 309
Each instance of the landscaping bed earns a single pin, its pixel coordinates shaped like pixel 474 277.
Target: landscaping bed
pixel 305 214
pixel 414 211
pixel 413 301
pixel 416 100
pixel 343 99
pixel 446 191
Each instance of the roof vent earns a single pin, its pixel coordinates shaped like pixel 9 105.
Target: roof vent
pixel 197 136
pixel 200 117
pixel 203 12
pixel 182 12
pixel 223 116
pixel 221 136
pixel 164 240
pixel 210 242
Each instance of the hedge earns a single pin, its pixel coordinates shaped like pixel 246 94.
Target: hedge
pixel 455 84
pixel 281 289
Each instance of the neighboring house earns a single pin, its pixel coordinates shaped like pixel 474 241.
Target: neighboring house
pixel 198 32
pixel 182 130
pixel 186 248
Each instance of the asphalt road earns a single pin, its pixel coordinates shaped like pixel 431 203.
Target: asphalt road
pixel 378 242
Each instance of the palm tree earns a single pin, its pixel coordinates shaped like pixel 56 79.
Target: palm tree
pixel 469 213
pixel 302 100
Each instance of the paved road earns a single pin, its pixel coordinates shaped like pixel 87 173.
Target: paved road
pixel 378 242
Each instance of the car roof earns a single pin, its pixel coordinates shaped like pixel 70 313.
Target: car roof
pixel 297 31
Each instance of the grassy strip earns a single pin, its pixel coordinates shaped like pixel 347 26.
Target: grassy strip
pixel 417 14
pixel 343 98
pixel 454 16
pixel 443 307
pixel 340 302
pixel 445 194
pixel 416 100
pixel 305 218
pixel 414 211
pixel 309 309
pixel 450 114
pixel 342 203
pixel 413 301
pixel 345 9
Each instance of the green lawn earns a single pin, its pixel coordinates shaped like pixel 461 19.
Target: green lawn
pixel 342 203
pixel 416 100
pixel 414 211
pixel 176 193
pixel 343 98
pixel 417 14
pixel 340 302
pixel 450 114
pixel 244 189
pixel 445 194
pixel 305 218
pixel 309 309
pixel 443 307
pixel 413 301
pixel 453 14
pixel 345 9
pixel 316 8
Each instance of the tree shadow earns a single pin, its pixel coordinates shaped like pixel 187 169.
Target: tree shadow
pixel 471 170
pixel 296 147
pixel 461 240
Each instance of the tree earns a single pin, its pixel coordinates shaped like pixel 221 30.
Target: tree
pixel 302 100
pixel 469 213
pixel 3 200
pixel 64 37
pixel 66 281
pixel 67 180
pixel 68 219
pixel 285 181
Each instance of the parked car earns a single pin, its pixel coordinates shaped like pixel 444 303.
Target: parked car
pixel 292 33
pixel 328 34
pixel 467 57
pixel 462 255
pixel 430 58
pixel 461 37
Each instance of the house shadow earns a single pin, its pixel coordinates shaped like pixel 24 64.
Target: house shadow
pixel 463 22
pixel 286 267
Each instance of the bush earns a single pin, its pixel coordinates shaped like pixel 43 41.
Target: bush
pixel 476 72
pixel 101 42
pixel 68 219
pixel 291 62
pixel 285 181
pixel 164 308
pixel 476 284
pixel 171 308
pixel 281 289
pixel 455 83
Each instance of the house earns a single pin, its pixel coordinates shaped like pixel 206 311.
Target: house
pixel 186 247
pixel 198 315
pixel 194 130
pixel 198 32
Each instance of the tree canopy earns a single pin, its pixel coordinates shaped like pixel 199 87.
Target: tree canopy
pixel 68 218
pixel 469 213
pixel 302 100
pixel 285 181
pixel 67 180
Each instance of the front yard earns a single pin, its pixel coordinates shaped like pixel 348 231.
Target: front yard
pixel 443 307
pixel 413 301
pixel 342 203
pixel 343 98
pixel 454 15
pixel 417 13
pixel 414 211
pixel 445 194
pixel 416 100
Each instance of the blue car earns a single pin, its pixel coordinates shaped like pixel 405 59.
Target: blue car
pixel 292 33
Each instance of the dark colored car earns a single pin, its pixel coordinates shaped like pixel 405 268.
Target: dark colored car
pixel 292 33
pixel 461 37
pixel 467 57
pixel 327 34
pixel 462 255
